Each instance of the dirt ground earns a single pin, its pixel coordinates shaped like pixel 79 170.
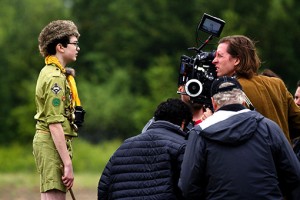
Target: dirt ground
pixel 9 193
pixel 25 186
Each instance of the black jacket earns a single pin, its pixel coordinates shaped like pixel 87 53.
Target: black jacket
pixel 239 154
pixel 146 166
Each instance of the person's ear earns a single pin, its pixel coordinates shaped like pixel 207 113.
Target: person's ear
pixel 244 103
pixel 181 88
pixel 182 125
pixel 214 104
pixel 60 48
pixel 237 61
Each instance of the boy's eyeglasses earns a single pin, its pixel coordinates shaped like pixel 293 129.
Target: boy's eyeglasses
pixel 74 43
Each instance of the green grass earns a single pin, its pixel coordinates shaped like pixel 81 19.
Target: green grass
pixel 92 158
pixel 19 179
pixel 87 158
pixel 22 185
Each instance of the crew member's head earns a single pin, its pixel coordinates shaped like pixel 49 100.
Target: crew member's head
pixel 174 111
pixel 226 90
pixel 236 55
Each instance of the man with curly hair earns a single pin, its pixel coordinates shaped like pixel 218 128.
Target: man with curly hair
pixel 56 99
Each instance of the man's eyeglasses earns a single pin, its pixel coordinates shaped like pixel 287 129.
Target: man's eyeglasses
pixel 74 43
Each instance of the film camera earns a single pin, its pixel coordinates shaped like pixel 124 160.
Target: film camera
pixel 197 73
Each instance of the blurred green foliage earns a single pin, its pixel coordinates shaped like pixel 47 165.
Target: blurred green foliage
pixel 93 158
pixel 129 57
pixel 16 158
pixel 88 158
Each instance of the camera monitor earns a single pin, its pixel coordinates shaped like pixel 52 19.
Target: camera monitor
pixel 211 25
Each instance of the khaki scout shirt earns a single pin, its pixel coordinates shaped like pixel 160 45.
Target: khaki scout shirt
pixel 53 99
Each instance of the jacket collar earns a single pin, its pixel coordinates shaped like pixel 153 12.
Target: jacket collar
pixel 232 107
pixel 167 125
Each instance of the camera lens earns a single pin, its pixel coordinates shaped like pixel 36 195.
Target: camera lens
pixel 193 88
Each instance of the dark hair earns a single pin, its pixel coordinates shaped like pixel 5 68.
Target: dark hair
pixel 242 47
pixel 51 47
pixel 174 111
pixel 298 83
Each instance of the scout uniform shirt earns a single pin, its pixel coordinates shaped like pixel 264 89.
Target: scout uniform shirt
pixel 53 100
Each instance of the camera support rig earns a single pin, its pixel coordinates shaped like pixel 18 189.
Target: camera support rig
pixel 197 73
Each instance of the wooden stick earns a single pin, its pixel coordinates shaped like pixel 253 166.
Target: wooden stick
pixel 71 191
pixel 72 194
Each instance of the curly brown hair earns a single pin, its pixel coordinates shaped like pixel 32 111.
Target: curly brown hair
pixel 56 32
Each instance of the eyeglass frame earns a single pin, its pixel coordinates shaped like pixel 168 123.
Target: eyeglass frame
pixel 74 43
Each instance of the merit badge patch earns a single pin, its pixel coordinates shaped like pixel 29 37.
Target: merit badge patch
pixel 56 102
pixel 56 89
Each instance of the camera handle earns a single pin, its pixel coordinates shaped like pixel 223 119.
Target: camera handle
pixel 198 50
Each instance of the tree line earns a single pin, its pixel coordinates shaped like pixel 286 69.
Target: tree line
pixel 130 54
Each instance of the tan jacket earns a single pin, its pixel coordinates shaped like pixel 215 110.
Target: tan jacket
pixel 272 99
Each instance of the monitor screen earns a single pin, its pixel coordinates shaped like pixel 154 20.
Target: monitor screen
pixel 211 25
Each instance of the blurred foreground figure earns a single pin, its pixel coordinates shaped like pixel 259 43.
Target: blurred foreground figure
pixel 148 165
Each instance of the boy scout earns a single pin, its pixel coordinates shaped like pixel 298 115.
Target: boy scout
pixel 56 98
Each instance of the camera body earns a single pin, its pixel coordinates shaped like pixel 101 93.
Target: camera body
pixel 198 72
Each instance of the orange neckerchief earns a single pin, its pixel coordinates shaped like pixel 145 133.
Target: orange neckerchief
pixel 70 79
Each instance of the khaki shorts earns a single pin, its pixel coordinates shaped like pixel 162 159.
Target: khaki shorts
pixel 48 161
